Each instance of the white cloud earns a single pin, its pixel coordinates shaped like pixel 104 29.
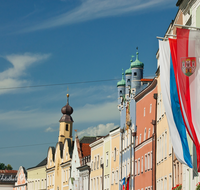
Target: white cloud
pixel 94 9
pixel 96 113
pixel 100 130
pixel 20 62
pixel 105 112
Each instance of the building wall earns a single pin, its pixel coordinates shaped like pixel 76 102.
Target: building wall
pixel 107 162
pixel 164 147
pixel 115 152
pixel 36 176
pixel 96 172
pixel 145 113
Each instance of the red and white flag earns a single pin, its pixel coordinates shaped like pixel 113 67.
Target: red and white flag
pixel 186 56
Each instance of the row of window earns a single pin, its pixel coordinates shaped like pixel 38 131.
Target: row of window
pixel 95 165
pixel 160 108
pixel 114 177
pixel 162 147
pixel 96 183
pixel 37 184
pixel 162 183
pixel 150 110
pixel 50 180
pixel 140 137
pixel 139 166
pixel 65 175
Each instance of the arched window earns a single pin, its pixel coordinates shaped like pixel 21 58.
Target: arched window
pixel 66 127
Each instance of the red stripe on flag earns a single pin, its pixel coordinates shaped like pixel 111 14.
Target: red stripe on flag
pixel 183 81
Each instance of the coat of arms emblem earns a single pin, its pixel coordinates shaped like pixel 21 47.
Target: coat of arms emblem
pixel 188 65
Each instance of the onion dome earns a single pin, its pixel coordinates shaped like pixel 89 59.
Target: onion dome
pixel 129 71
pixel 66 110
pixel 122 82
pixel 137 63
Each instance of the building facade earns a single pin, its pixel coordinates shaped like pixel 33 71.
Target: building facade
pixel 145 137
pixel 128 88
pixel 21 183
pixel 7 179
pixel 36 176
pixel 97 165
pixel 58 166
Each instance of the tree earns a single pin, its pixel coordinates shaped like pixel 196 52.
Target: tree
pixel 4 167
pixel 9 167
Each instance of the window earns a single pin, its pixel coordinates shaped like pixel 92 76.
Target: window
pixel 165 144
pixel 142 165
pixel 170 147
pixel 145 162
pixel 170 181
pixel 162 146
pixel 136 141
pixel 91 183
pixel 128 80
pixel 115 153
pixel 95 162
pixel 106 159
pixel 138 166
pixel 165 183
pixel 116 177
pixel 135 73
pixel 92 165
pixel 149 132
pixel 144 111
pixel 112 177
pixel 140 138
pixel 98 162
pixel 148 161
pixel 150 108
pixel 151 159
pixel 135 167
pixel 145 134
pixel 66 127
pixel 66 175
pixel 97 183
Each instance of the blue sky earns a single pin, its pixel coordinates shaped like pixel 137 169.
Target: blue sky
pixel 66 41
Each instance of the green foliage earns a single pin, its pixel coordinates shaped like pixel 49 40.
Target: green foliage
pixel 178 187
pixel 4 167
pixel 198 186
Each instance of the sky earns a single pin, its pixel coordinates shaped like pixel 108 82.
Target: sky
pixel 69 46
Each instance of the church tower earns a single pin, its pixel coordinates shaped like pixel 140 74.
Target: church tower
pixel 137 73
pixel 121 89
pixel 66 122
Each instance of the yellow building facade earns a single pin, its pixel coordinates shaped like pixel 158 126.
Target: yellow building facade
pixel 36 176
pixel 96 164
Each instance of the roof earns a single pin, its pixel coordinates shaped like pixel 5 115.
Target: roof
pixel 114 129
pixel 85 149
pixel 87 139
pixel 122 82
pixel 146 80
pixel 179 2
pixel 42 163
pixel 8 171
pixel 137 63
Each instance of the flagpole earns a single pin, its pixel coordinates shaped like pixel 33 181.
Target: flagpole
pixel 186 26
